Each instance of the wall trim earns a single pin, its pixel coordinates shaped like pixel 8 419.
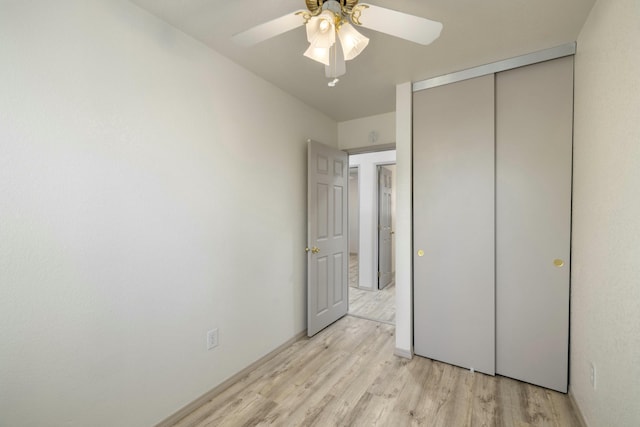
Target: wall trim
pixel 496 67
pixel 400 352
pixel 371 149
pixel 190 407
pixel 577 410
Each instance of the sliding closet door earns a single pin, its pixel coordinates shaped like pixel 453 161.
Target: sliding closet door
pixel 534 107
pixel 454 268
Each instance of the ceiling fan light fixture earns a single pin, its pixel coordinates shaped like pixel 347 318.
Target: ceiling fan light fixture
pixel 328 20
pixel 321 30
pixel 353 43
pixel 319 54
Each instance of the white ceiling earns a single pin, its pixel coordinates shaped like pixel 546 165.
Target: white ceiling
pixel 475 32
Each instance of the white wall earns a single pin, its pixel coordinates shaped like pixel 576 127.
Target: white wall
pixel 605 321
pixel 150 190
pixel 368 208
pixel 359 133
pixel 404 212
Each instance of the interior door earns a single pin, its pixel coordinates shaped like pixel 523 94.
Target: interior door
pixel 385 269
pixel 533 218
pixel 453 219
pixel 327 232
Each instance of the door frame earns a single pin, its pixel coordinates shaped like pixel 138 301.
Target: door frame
pixel 372 256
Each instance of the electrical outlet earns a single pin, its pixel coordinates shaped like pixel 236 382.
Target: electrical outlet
pixel 212 339
pixel 592 378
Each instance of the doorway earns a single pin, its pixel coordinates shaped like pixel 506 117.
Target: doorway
pixel 371 236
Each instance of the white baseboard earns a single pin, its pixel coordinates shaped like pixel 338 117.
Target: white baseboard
pixel 407 354
pixel 186 410
pixel 576 408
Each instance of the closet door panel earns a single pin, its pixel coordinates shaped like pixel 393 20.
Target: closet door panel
pixel 534 106
pixel 454 235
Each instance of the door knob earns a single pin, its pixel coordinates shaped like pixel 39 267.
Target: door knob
pixel 558 263
pixel 420 252
pixel 315 250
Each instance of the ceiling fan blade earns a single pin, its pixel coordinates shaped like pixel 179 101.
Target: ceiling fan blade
pixel 409 27
pixel 270 29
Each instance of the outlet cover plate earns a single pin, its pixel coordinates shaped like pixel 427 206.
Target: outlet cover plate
pixel 212 339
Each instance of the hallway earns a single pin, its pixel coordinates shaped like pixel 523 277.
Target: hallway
pixel 370 304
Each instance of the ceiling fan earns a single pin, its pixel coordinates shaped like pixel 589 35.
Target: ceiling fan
pixel 329 20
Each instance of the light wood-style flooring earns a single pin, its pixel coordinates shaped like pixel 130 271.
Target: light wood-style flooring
pixel 374 305
pixel 370 304
pixel 347 375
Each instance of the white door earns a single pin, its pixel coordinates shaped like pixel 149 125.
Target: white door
pixel 453 217
pixel 385 270
pixel 327 233
pixel 533 221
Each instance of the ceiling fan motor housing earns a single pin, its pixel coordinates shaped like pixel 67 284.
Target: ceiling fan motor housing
pixel 315 6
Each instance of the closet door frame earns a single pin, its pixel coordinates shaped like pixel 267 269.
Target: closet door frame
pixel 567 49
pixel 406 292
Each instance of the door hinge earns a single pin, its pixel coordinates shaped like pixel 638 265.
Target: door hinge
pixel 379 274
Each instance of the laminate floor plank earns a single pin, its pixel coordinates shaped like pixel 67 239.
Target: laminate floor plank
pixel 382 407
pixel 355 382
pixel 370 304
pixel 307 397
pixel 334 379
pixel 262 374
pixel 347 375
pixel 563 410
pixel 460 405
pixel 484 405
pixel 405 409
pixel 374 304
